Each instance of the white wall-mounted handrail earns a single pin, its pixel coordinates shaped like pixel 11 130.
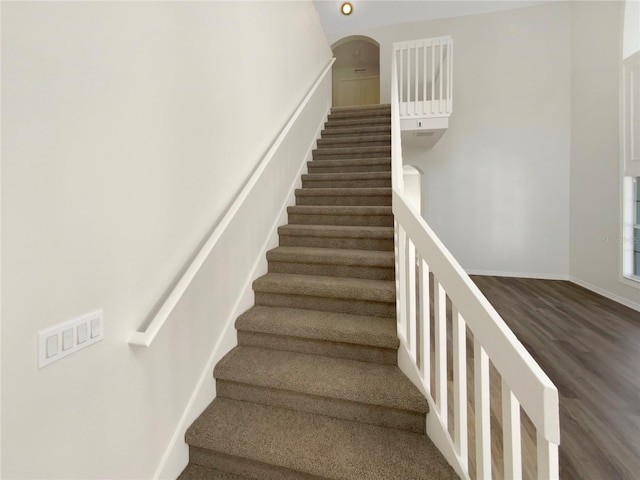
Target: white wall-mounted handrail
pixel 523 381
pixel 146 337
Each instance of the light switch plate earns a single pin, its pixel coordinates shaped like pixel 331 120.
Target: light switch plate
pixel 66 338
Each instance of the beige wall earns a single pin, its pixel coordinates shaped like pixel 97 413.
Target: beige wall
pixel 127 127
pixel 367 83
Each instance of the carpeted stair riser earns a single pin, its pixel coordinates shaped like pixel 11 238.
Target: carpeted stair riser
pixel 353 220
pixel 347 180
pixel 384 113
pixel 337 236
pixel 330 153
pixel 368 393
pixel 350 166
pixel 362 108
pixel 270 443
pixel 326 262
pixel 335 141
pixel 344 271
pixel 351 351
pixel 198 472
pixel 243 466
pixel 356 337
pixel 341 215
pixel 355 307
pixel 358 122
pixel 350 131
pixel 378 416
pixel 336 242
pixel 347 197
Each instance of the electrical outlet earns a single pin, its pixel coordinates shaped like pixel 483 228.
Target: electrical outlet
pixel 66 338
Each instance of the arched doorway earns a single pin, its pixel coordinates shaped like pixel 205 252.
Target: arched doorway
pixel 356 71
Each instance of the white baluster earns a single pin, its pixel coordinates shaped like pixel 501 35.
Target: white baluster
pixel 425 322
pixel 440 332
pixel 396 243
pixel 547 459
pixel 417 78
pixel 482 413
pixel 440 75
pixel 400 84
pixel 460 385
pixel 450 104
pixel 511 434
pixel 408 77
pixel 411 299
pixel 433 76
pixel 402 320
pixel 424 78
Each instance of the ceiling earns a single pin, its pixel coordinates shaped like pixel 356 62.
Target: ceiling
pixel 376 13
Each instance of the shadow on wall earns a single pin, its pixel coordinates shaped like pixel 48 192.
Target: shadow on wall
pixel 356 72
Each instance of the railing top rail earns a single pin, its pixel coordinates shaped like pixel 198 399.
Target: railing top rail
pixel 146 337
pixel 422 41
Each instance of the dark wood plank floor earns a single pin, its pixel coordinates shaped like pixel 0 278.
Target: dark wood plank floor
pixel 590 348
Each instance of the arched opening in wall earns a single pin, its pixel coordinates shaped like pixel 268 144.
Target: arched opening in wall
pixel 356 71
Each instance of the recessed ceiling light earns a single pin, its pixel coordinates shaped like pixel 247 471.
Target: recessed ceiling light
pixel 346 8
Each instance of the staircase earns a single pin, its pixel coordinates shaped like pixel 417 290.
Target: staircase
pixel 312 390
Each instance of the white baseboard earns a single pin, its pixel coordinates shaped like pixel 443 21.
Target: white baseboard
pixel 607 294
pixel 176 456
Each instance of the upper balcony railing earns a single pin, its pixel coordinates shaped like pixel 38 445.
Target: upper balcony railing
pixel 425 77
pixel 424 268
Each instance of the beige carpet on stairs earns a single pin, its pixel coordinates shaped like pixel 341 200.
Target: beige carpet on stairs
pixel 312 391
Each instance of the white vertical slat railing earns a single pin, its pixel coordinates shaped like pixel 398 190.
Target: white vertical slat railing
pixel 425 70
pixel 439 279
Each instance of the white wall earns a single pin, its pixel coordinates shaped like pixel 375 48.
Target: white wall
pixel 127 129
pixel 595 149
pixel 496 185
pixel 631 36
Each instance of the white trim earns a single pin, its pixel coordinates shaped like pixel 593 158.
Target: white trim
pixel 176 457
pixel 144 339
pixel 540 276
pixel 605 293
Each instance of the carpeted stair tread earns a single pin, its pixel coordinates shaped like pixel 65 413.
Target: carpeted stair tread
pixel 362 108
pixel 356 130
pixel 339 210
pixel 344 192
pixel 332 177
pixel 350 165
pixel 354 139
pixel 199 472
pixel 344 231
pixel 357 122
pixel 382 291
pixel 331 151
pixel 313 324
pixel 332 256
pixel 314 445
pixel 318 375
pixel 359 114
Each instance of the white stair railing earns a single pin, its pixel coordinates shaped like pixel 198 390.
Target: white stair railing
pixel 524 384
pixel 425 72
